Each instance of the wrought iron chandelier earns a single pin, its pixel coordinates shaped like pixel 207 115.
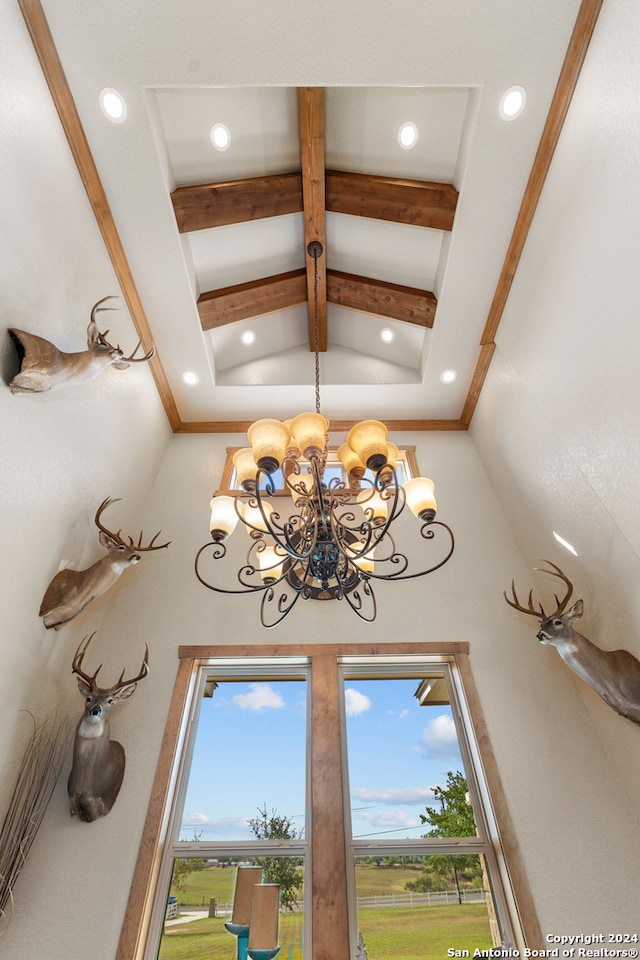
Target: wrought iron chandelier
pixel 335 540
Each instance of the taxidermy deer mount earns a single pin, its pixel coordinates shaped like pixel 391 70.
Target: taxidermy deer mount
pixel 98 762
pixel 614 674
pixel 43 367
pixel 71 590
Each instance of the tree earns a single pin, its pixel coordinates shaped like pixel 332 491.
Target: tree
pixel 283 870
pixel 454 819
pixel 182 867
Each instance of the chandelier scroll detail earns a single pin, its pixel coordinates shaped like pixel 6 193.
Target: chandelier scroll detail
pixel 332 537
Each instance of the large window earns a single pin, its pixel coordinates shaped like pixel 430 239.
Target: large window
pixel 355 782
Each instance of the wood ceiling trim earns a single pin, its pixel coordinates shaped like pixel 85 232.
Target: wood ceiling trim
pixel 382 299
pixel 256 298
pixel 419 203
pixel 311 119
pixel 54 75
pixel 339 426
pixel 236 201
pixel 568 78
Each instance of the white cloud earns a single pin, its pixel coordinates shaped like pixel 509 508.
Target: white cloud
pixel 197 824
pixel 394 795
pixel 388 819
pixel 440 738
pixel 261 697
pixel 355 702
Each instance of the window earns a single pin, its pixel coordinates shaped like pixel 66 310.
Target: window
pixel 347 749
pixel 407 467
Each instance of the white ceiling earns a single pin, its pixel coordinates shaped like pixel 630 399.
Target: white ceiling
pixel 197 63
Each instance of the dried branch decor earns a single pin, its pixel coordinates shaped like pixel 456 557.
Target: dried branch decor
pixel 37 777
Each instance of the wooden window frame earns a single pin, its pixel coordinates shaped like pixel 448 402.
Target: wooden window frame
pixel 330 850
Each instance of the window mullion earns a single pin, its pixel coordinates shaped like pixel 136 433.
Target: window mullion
pixel 330 925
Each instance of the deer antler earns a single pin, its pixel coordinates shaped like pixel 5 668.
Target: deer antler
pixel 138 545
pixel 557 572
pixel 133 359
pixel 76 666
pixel 109 533
pixel 116 536
pixel 97 308
pixel 144 670
pixel 515 603
pixel 531 609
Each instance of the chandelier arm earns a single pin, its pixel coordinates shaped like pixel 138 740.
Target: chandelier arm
pixel 282 605
pixel 428 535
pixel 220 555
pixel 356 603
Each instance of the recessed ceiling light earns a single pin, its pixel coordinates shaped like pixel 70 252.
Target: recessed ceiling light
pixel 220 136
pixel 113 105
pixel 448 376
pixel 512 103
pixel 248 337
pixel 565 544
pixel 190 378
pixel 408 135
pixel 387 335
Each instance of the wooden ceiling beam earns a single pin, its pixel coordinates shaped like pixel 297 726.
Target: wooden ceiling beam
pixel 257 298
pixel 236 201
pixel 419 203
pixel 311 117
pixel 380 298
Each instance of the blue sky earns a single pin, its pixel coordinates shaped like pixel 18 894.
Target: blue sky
pixel 250 752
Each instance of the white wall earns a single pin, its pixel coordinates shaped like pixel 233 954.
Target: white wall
pixel 558 423
pixel 549 779
pixel 61 454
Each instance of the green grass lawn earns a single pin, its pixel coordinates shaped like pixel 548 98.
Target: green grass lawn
pixel 390 933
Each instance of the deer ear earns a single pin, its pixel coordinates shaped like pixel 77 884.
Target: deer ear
pixel 576 611
pixel 84 687
pixel 125 692
pixel 92 334
pixel 105 540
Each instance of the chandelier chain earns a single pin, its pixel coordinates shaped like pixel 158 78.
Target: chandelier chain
pixel 316 324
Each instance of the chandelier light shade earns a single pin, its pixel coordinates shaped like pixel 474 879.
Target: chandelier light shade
pixel 332 539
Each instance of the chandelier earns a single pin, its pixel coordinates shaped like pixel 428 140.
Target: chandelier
pixel 332 538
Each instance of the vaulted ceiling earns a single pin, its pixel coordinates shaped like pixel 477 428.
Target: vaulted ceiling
pixel 208 244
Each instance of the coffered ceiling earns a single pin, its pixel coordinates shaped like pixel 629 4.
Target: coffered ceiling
pixel 210 244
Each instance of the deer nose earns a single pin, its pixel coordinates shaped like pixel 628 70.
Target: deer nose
pixel 96 711
pixel 135 558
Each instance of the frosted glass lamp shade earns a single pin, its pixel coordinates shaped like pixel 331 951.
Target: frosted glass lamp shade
pixel 375 507
pixel 270 563
pixel 309 431
pixel 246 468
pixel 223 517
pixel 369 440
pixel 254 519
pixel 351 462
pixel 365 561
pixel 420 497
pixel 303 483
pixel 269 440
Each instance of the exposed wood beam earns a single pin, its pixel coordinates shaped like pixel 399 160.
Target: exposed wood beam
pixel 236 201
pixel 311 117
pixel 381 298
pixel 256 298
pixel 416 202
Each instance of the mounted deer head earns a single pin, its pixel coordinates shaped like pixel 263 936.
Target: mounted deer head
pixel 98 762
pixel 43 367
pixel 71 590
pixel 614 674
